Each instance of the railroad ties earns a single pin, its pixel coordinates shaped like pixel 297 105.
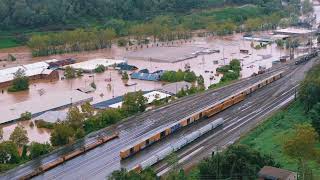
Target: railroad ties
pixel 204 113
pixel 45 167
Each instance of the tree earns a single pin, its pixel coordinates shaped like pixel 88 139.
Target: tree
pixel 38 149
pixel 20 81
pixel 75 118
pixel 237 162
pixel 125 75
pixel 26 116
pixel 200 81
pixel 19 136
pixel 310 88
pixel 9 152
pixel 147 174
pixel 87 109
pixel 315 117
pixel 134 102
pixel 301 145
pixel 69 72
pixel 307 7
pixel 61 134
pixel 100 69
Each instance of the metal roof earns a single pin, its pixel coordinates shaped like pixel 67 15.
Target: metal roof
pixel 42 104
pixel 30 70
pixel 91 65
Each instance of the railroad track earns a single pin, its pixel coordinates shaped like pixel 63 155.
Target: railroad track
pixel 169 110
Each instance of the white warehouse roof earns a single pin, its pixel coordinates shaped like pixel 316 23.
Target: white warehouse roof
pixel 30 70
pixel 91 65
pixel 151 96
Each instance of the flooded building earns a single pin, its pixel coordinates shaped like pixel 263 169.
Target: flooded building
pixel 174 88
pixel 117 102
pixel 146 76
pixel 42 104
pixel 91 65
pixel 33 71
pixel 295 31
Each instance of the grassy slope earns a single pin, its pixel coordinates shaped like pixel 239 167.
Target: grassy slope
pixel 268 137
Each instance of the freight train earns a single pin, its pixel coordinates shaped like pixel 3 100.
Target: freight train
pixel 202 114
pixel 178 145
pixel 45 167
pixel 307 57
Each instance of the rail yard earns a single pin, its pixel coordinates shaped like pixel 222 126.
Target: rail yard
pixel 101 161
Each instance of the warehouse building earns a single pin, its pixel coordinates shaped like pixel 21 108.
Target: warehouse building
pixel 117 102
pixel 146 76
pixel 33 71
pixel 174 88
pixel 91 65
pixel 42 104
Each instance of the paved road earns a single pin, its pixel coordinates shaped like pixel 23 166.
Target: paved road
pixel 240 119
pixel 100 162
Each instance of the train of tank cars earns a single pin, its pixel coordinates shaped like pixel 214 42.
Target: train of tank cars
pixel 207 112
pixel 45 167
pixel 307 57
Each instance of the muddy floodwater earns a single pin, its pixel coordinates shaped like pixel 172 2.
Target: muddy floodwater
pixel 229 48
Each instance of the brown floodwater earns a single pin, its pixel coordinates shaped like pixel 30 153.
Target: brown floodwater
pixel 204 65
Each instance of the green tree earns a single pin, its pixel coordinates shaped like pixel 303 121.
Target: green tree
pixel 19 136
pixel 315 117
pixel 301 145
pixel 134 102
pixel 61 134
pixel 125 75
pixel 87 109
pixel 100 69
pixel 20 81
pixel 38 149
pixel 9 152
pixel 26 116
pixel 75 117
pixel 310 88
pixel 237 162
pixel 69 72
pixel 190 77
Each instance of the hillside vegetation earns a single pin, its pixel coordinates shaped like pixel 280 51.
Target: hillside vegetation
pixel 36 13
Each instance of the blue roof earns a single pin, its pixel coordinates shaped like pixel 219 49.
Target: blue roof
pixel 145 76
pixel 155 76
pixel 126 67
pixel 107 103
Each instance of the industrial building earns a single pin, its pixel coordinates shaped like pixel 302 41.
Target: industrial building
pixel 174 88
pixel 33 71
pixel 117 102
pixel 42 104
pixel 91 65
pixel 146 76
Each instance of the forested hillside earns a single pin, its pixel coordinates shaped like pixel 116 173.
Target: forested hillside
pixel 57 14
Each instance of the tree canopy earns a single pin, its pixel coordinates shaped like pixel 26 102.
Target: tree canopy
pixel 34 13
pixel 237 162
pixel 19 136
